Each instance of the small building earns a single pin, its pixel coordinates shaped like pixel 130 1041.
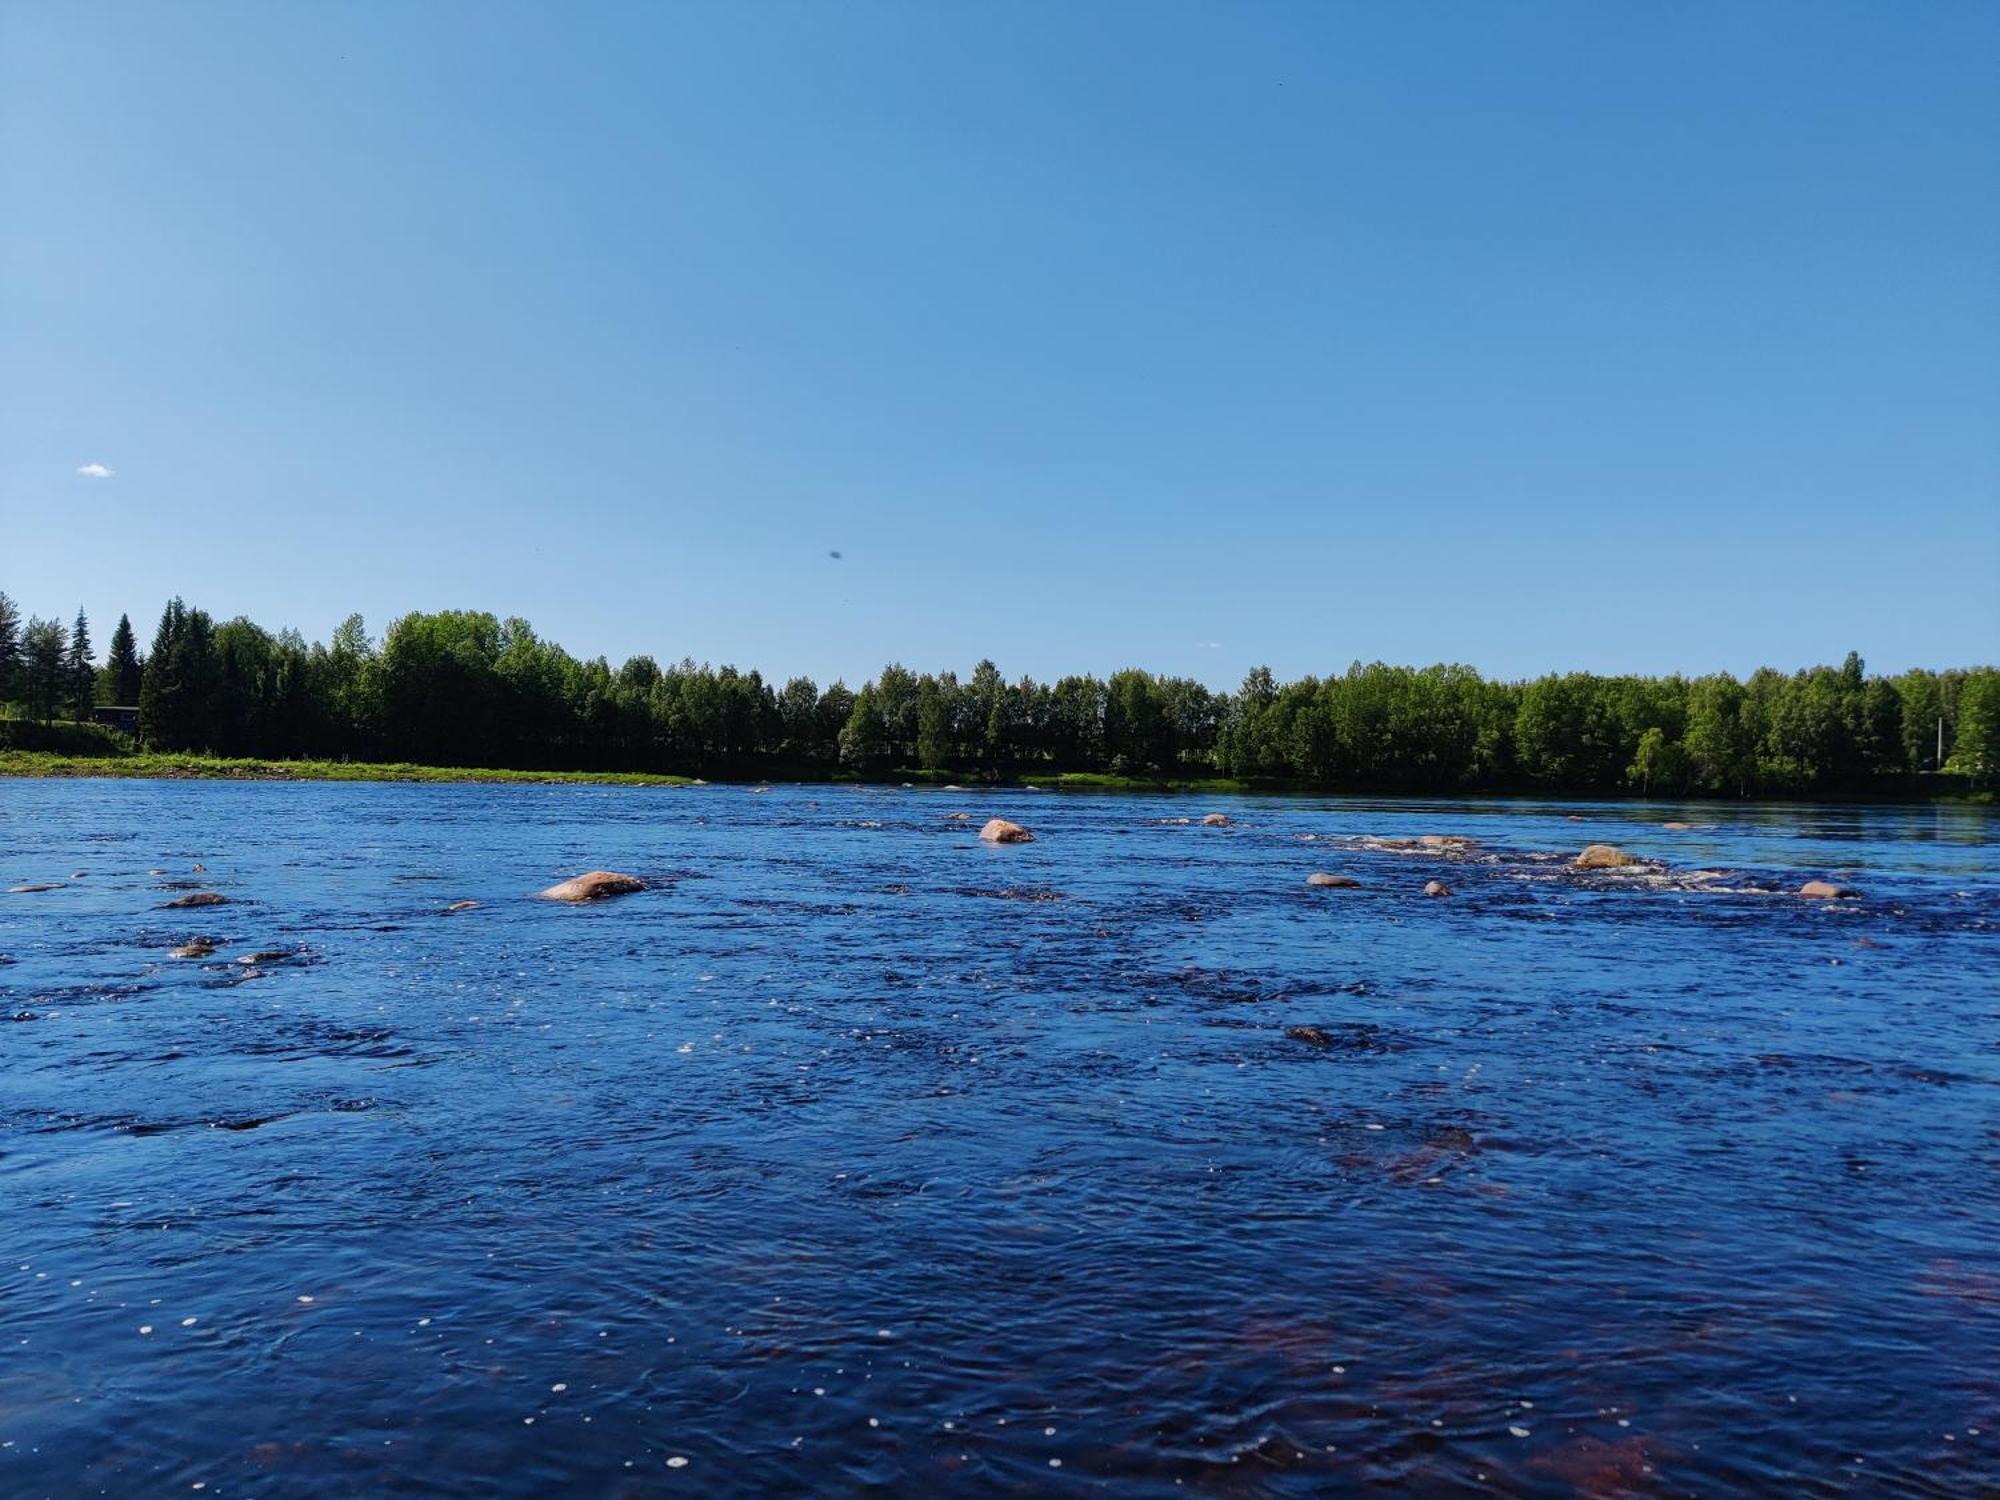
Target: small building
pixel 124 720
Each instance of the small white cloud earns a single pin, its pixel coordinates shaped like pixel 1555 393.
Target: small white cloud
pixel 1211 645
pixel 94 471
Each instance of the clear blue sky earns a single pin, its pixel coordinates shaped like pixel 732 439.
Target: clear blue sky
pixel 1624 337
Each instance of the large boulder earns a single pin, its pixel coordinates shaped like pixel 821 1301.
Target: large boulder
pixel 1341 882
pixel 1000 831
pixel 594 885
pixel 1826 890
pixel 1605 857
pixel 1215 820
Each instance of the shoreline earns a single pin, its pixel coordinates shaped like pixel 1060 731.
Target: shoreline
pixel 50 765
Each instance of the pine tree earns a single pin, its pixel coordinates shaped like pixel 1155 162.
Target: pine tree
pixel 10 646
pixel 80 668
pixel 122 667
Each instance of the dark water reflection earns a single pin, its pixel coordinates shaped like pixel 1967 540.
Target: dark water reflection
pixel 856 1155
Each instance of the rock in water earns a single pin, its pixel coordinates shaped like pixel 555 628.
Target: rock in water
pixel 198 948
pixel 198 898
pixel 459 906
pixel 1826 890
pixel 1604 857
pixel 1000 831
pixel 1341 881
pixel 594 885
pixel 1312 1036
pixel 1436 888
pixel 1215 820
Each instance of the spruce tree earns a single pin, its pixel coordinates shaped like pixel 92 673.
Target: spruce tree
pixel 80 669
pixel 121 665
pixel 160 695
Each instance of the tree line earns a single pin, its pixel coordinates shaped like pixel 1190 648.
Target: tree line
pixel 462 687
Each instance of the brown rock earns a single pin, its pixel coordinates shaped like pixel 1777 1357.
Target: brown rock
pixel 1215 820
pixel 197 948
pixel 594 885
pixel 268 956
pixel 199 898
pixel 1604 857
pixel 1342 882
pixel 1312 1036
pixel 1449 841
pixel 1436 888
pixel 1826 890
pixel 958 817
pixel 1000 831
pixel 1677 827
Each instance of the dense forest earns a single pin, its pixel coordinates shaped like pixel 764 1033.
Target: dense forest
pixel 464 688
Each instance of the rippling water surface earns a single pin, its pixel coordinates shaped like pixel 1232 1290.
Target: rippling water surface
pixel 856 1154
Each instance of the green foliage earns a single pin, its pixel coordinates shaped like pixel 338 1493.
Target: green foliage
pixel 1977 749
pixel 45 668
pixel 61 738
pixel 10 646
pixel 466 688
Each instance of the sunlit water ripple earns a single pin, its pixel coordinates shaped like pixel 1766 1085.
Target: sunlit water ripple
pixel 855 1154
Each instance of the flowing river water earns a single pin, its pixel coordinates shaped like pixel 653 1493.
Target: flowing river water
pixel 855 1154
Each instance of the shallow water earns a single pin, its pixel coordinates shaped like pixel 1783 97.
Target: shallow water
pixel 858 1155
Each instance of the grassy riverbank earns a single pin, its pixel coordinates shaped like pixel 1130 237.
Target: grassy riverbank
pixel 146 766
pixel 210 768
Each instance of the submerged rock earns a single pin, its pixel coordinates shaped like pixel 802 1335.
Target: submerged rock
pixel 1605 857
pixel 1000 831
pixel 29 890
pixel 958 817
pixel 1215 820
pixel 1436 888
pixel 458 906
pixel 1312 1036
pixel 594 885
pixel 198 898
pixel 267 956
pixel 1677 827
pixel 1339 881
pixel 1826 890
pixel 195 948
pixel 1449 841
